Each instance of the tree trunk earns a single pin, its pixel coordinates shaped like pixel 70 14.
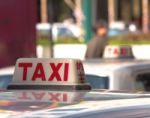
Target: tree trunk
pixel 145 21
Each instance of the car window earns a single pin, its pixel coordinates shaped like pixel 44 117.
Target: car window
pixel 64 32
pixel 5 80
pixel 97 82
pixel 143 82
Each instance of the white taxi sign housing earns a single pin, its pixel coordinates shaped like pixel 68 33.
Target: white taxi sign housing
pixel 122 51
pixel 38 73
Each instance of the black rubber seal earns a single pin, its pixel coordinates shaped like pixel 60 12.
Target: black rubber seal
pixel 49 87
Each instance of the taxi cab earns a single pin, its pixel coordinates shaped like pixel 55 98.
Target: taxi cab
pixel 57 88
pixel 128 75
pixel 119 70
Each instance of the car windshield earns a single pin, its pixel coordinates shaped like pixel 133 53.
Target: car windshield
pixel 143 82
pixel 5 80
pixel 97 82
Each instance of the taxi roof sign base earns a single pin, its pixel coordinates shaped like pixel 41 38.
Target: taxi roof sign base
pixel 49 87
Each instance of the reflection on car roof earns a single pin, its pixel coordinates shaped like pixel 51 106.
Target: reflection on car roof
pixel 89 102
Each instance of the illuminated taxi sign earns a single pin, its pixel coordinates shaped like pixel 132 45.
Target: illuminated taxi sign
pixel 38 73
pixel 118 52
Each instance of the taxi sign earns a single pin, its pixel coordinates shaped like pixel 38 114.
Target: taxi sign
pixel 118 52
pixel 38 73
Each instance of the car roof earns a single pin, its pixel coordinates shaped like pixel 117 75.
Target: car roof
pixel 7 70
pixel 13 104
pixel 114 64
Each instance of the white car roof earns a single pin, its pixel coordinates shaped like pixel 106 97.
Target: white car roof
pixel 7 70
pixel 112 65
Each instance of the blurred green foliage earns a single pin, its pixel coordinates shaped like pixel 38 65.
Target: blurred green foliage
pixel 61 40
pixel 43 41
pixel 68 40
pixel 130 39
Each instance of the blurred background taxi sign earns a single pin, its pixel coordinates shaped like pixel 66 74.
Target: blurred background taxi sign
pixel 38 73
pixel 123 51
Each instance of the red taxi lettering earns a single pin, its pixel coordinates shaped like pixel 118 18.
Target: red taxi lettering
pixel 116 51
pixel 55 70
pixel 123 51
pixel 39 73
pixel 55 73
pixel 113 51
pixel 66 69
pixel 25 67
